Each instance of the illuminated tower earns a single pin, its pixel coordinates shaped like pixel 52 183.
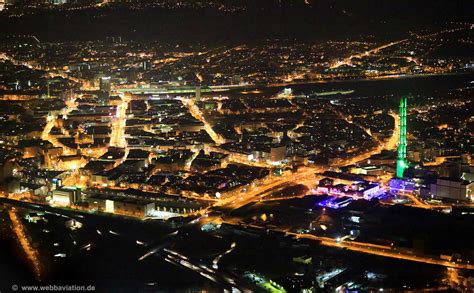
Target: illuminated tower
pixel 402 144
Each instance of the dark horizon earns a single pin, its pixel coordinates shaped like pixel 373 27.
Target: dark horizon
pixel 236 145
pixel 266 20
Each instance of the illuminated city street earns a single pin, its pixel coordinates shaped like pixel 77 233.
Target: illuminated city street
pixel 194 110
pixel 31 254
pixel 236 146
pixel 117 136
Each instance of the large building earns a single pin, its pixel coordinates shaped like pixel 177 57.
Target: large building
pixel 138 203
pixel 57 2
pixel 122 206
pixel 105 84
pixel 453 189
pixel 66 196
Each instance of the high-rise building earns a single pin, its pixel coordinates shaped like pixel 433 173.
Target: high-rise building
pixel 402 144
pixel 198 93
pixel 57 2
pixel 104 84
pixel 146 65
pixel 104 90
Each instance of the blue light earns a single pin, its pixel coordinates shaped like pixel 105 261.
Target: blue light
pixel 330 203
pixel 401 184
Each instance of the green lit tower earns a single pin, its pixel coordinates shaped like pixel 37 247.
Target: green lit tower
pixel 402 144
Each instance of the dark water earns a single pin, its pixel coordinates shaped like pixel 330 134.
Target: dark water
pixel 416 85
pixel 401 86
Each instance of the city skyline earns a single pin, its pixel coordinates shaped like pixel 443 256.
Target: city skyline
pixel 236 146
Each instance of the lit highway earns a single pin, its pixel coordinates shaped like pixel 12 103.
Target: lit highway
pixel 416 202
pixel 269 185
pixel 370 248
pixel 392 142
pixel 31 253
pixel 381 250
